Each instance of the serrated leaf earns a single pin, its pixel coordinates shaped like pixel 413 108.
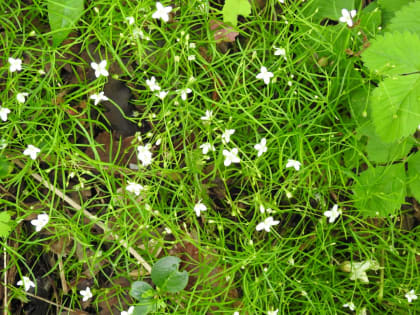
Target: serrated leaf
pixel 395 107
pixel 406 19
pixel 380 191
pixel 63 15
pixel 5 224
pixel 382 152
pixel 321 9
pixel 233 8
pixel 393 53
pixel 413 171
pixel 165 274
pixel 389 7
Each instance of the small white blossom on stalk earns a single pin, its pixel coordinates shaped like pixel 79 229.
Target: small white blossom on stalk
pixel 40 221
pixel 152 84
pixel 208 116
pixel 358 269
pixel 184 93
pixel 267 224
pixel 347 16
pixel 350 305
pixel 26 282
pixel 231 157
pixel 265 75
pixel 293 163
pixel 411 296
pixel 100 69
pixel 134 188
pixel 272 312
pixel 199 207
pixel 279 51
pixel 162 12
pixel 261 147
pixel 86 293
pixel 263 209
pixel 144 154
pixel 226 135
pixel 3 144
pixel 281 1
pixel 236 313
pixel 4 112
pixel 130 311
pixel 31 151
pixel 206 147
pixel 161 94
pixel 15 64
pixel 130 20
pixel 333 214
pixel 21 97
pixel 99 98
pixel 191 57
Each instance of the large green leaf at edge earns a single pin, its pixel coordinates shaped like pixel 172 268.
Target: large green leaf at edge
pixel 395 107
pixel 380 191
pixel 406 19
pixel 389 7
pixel 414 175
pixel 382 152
pixel 233 8
pixel 63 15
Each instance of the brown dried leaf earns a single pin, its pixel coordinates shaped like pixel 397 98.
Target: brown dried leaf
pixel 223 32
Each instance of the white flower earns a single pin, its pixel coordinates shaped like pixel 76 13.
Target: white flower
pixel 411 296
pixel 279 51
pixel 184 93
pixel 15 64
pixel 263 209
pixel 272 312
pixel 350 305
pixel 208 115
pixel 261 147
pixel 293 163
pixel 100 68
pixel 130 311
pixel 236 313
pixel 199 206
pixel 162 12
pixel 4 112
pixel 265 75
pixel 27 283
pixel 226 135
pixel 87 294
pixel 144 154
pixel 98 98
pixel 161 94
pixel 281 1
pixel 3 144
pixel 134 188
pixel 191 57
pixel 267 224
pixel 347 16
pixel 130 20
pixel 40 221
pixel 332 214
pixel 31 151
pixel 231 157
pixel 358 269
pixel 206 147
pixel 21 97
pixel 152 84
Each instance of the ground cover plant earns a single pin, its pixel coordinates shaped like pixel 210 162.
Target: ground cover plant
pixel 210 157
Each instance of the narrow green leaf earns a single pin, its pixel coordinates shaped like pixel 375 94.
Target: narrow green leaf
pixel 233 8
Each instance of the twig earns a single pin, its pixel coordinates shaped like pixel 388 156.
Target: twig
pixel 90 216
pixel 62 275
pixel 56 304
pixel 5 281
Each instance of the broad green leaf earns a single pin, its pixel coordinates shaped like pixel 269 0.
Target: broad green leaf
pixel 144 309
pixel 233 8
pixel 393 53
pixel 413 166
pixel 63 15
pixel 395 107
pixel 382 152
pixel 143 293
pixel 139 288
pixel 380 191
pixel 5 224
pixel 5 167
pixel 406 19
pixel 389 7
pixel 165 274
pixel 321 9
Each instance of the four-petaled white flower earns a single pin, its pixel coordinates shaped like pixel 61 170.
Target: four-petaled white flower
pixel 134 188
pixel 206 147
pixel 99 98
pixel 272 312
pixel 208 116
pixel 162 12
pixel 347 16
pixel 4 112
pixel 358 269
pixel 267 224
pixel 231 156
pixel 100 68
pixel 236 313
pixel 144 154
pixel 350 305
pixel 226 135
pixel 15 64
pixel 161 94
pixel 153 86
pixel 40 221
pixel 265 75
pixel 130 20
pixel 130 311
pixel 333 214
pixel 281 1
pixel 31 151
pixel 411 296
pixel 261 147
pixel 86 293
pixel 293 163
pixel 184 93
pixel 199 207
pixel 27 283
pixel 21 97
pixel 279 51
